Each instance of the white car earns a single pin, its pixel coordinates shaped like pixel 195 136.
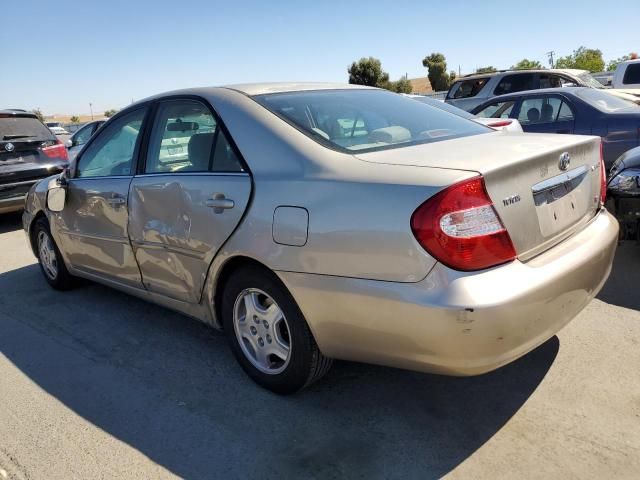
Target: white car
pixel 627 76
pixel 508 124
pixel 58 131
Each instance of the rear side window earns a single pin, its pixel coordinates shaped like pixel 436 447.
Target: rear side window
pixel 632 74
pixel 27 128
pixel 544 110
pixel 467 88
pixel 515 83
pixel 187 138
pixel 497 110
pixel 366 120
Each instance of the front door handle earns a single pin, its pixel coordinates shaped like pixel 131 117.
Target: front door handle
pixel 219 203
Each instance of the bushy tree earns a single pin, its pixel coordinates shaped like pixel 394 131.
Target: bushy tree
pixel 489 69
pixel 401 86
pixel 368 71
pixel 584 59
pixel 437 67
pixel 110 113
pixel 526 64
pixel 38 114
pixel 74 119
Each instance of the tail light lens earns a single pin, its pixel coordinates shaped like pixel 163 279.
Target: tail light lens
pixel 460 228
pixel 499 124
pixel 603 177
pixel 56 151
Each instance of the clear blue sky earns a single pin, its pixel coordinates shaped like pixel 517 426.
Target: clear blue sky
pixel 60 55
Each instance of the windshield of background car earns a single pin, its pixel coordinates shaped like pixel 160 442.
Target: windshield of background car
pixel 366 120
pixel 23 128
pixel 606 102
pixel 589 81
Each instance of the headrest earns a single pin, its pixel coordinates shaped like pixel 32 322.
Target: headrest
pixel 393 134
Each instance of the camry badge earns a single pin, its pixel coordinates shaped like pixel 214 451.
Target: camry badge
pixel 9 147
pixel 565 160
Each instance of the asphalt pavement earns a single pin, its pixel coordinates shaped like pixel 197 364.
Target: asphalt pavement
pixel 97 384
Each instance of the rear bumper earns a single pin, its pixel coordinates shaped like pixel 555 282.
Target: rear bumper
pixel 12 204
pixel 455 322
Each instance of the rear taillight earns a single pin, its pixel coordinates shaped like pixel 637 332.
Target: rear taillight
pixel 500 124
pixel 460 228
pixel 56 151
pixel 603 177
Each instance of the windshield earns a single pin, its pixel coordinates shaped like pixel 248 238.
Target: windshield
pixel 589 81
pixel 606 102
pixel 366 120
pixel 16 127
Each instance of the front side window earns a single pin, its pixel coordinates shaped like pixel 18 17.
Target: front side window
pixel 515 83
pixel 112 151
pixel 186 137
pixel 632 74
pixel 497 110
pixel 467 88
pixel 366 120
pixel 543 110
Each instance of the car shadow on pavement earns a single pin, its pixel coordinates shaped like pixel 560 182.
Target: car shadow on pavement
pixel 169 387
pixel 10 222
pixel 622 286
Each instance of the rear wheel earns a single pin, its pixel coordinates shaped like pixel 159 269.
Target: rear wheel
pixel 268 334
pixel 49 258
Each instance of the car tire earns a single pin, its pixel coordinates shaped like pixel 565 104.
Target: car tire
pixel 49 258
pixel 256 330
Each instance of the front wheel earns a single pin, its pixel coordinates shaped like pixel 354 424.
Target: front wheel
pixel 268 334
pixel 49 258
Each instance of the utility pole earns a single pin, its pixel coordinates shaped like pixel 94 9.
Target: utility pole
pixel 551 54
pixel 91 108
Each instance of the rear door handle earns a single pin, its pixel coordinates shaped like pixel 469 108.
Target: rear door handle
pixel 220 203
pixel 116 201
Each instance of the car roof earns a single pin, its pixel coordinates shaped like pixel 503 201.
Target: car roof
pixel 17 113
pixel 570 71
pixel 284 87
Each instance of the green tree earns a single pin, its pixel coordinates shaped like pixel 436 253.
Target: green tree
pixel 110 113
pixel 74 119
pixel 39 114
pixel 368 71
pixel 452 76
pixel 489 69
pixel 401 86
pixel 526 64
pixel 584 59
pixel 436 64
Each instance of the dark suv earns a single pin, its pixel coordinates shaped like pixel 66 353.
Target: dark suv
pixel 28 152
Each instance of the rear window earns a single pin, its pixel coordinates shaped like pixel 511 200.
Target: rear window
pixel 606 102
pixel 366 120
pixel 18 128
pixel 632 74
pixel 515 83
pixel 467 88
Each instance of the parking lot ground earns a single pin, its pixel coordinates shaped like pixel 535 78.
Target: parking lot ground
pixel 97 384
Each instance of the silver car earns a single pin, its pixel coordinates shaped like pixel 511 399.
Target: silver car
pixel 314 222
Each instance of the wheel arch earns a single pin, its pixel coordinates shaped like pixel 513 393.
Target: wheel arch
pixel 32 239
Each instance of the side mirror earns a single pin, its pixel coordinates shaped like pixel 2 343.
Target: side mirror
pixel 68 143
pixel 57 193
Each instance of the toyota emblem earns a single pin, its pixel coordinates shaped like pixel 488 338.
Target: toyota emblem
pixel 9 147
pixel 565 160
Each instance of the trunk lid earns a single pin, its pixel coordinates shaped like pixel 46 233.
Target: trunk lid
pixel 538 202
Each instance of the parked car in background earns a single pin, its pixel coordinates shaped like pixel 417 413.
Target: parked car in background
pixel 627 76
pixel 53 124
pixel 75 143
pixel 59 131
pixel 28 152
pixel 508 124
pixel 469 91
pixel 605 78
pixel 316 221
pixel 623 193
pixel 578 110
